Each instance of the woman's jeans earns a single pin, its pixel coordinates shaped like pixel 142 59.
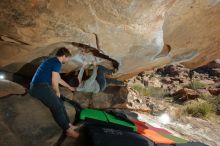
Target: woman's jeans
pixel 47 96
pixel 103 81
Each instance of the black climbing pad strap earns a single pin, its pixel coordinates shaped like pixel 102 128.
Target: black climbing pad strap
pixel 77 107
pixel 120 116
pixel 76 120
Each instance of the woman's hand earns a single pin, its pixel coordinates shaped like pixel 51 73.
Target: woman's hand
pixel 72 89
pixel 94 63
pixel 84 64
pixel 58 94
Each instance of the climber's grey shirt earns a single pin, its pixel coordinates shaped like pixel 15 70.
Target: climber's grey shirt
pixel 90 85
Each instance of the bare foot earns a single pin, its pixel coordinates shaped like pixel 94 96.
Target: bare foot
pixel 72 133
pixel 73 127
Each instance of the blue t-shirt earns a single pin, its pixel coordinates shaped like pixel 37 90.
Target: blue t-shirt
pixel 44 71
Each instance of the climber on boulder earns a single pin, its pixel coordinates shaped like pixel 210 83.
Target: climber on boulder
pixel 45 87
pixel 97 82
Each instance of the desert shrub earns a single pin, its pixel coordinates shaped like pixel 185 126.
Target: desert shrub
pixel 215 100
pixel 199 109
pixel 150 91
pixel 195 85
pixel 140 89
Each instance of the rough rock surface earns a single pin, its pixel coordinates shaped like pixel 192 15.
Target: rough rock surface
pixel 139 34
pixel 112 97
pixel 10 88
pixel 25 121
pixel 186 94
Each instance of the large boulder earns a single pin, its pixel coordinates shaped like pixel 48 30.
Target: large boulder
pixel 138 34
pixel 10 88
pixel 174 70
pixel 112 96
pixel 186 94
pixel 25 121
pixel 214 91
pixel 212 68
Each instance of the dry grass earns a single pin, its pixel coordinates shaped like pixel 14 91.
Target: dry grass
pixel 149 91
pixel 195 85
pixel 199 109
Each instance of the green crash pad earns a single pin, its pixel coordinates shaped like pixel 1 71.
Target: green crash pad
pixel 105 117
pixel 93 114
pixel 113 119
